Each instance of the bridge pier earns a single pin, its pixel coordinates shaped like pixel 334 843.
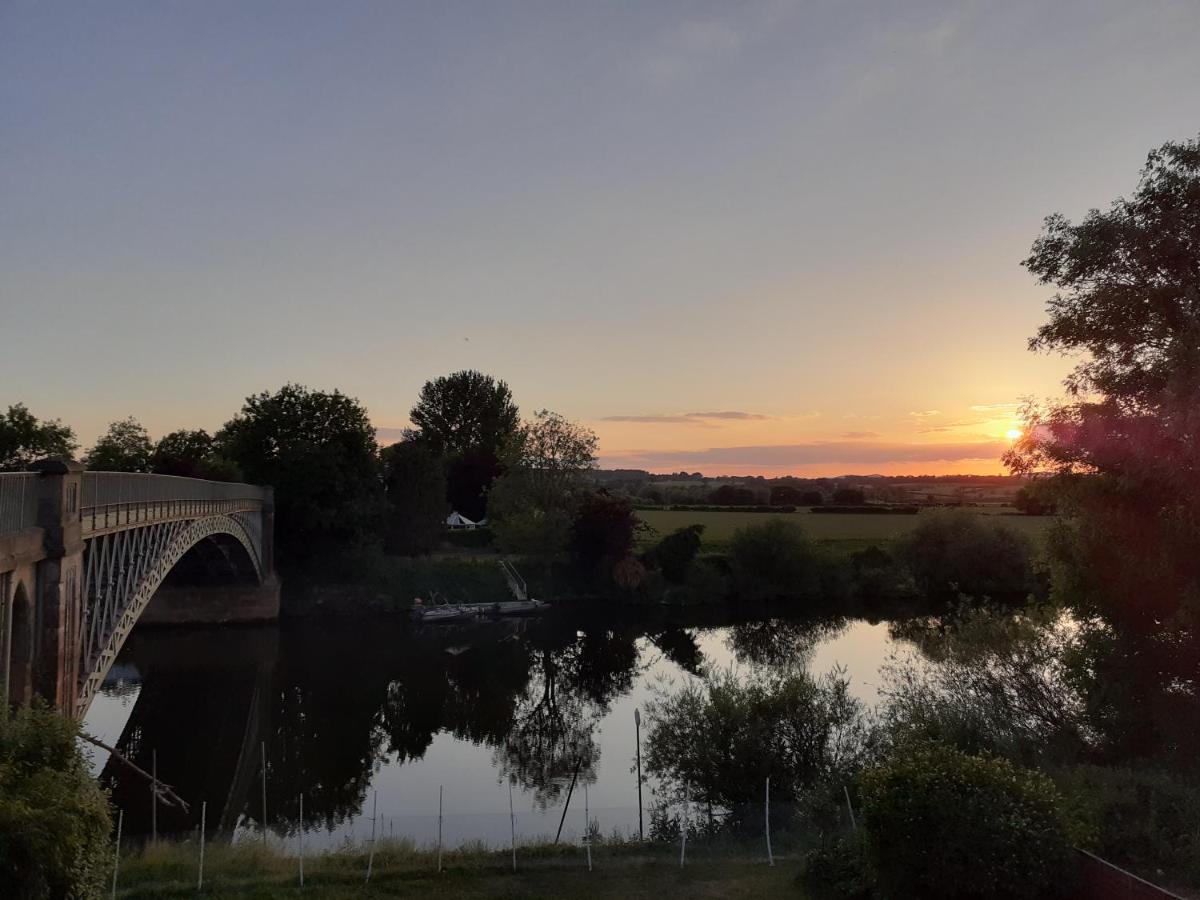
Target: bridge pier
pixel 57 608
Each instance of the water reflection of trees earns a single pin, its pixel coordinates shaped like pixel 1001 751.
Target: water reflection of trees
pixel 781 643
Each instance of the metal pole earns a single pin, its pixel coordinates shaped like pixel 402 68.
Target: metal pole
pixel 512 821
pixel 203 824
pixel 637 728
pixel 301 840
pixel 587 826
pixel 263 748
pixel 767 809
pixel 567 803
pixel 371 858
pixel 683 826
pixel 439 827
pixel 850 807
pixel 154 796
pixel 117 854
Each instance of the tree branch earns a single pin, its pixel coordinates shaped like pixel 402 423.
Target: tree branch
pixel 165 794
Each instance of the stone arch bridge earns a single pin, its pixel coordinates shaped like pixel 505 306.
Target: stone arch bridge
pixel 83 554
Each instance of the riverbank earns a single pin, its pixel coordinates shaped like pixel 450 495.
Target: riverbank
pixel 399 869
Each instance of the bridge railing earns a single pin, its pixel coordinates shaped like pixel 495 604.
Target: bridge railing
pixel 116 499
pixel 18 500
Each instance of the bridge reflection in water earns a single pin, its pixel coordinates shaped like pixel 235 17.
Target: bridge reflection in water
pixel 335 702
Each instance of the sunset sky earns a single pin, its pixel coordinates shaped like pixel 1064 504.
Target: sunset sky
pixel 759 237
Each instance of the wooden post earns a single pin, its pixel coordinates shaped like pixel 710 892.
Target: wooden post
pixel 117 854
pixel 371 857
pixel 683 826
pixel 767 811
pixel 512 821
pixel 439 827
pixel 302 840
pixel 203 824
pixel 637 729
pixel 587 826
pixel 263 748
pixel 154 796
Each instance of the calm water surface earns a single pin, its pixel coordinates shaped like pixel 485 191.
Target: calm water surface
pixel 347 711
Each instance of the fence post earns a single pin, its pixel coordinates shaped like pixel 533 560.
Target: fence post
pixel 263 749
pixel 767 808
pixel 587 826
pixel 203 824
pixel 440 827
pixel 512 821
pixel 117 854
pixel 302 840
pixel 371 857
pixel 683 826
pixel 154 796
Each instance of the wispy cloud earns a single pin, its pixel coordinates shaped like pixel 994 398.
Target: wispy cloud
pixel 781 457
pixel 925 413
pixel 728 414
pixel 996 407
pixel 950 426
pixel 859 435
pixel 694 418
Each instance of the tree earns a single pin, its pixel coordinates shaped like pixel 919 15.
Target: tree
pixel 603 532
pixel 125 447
pixel 317 449
pixel 953 552
pixel 469 419
pixel 532 505
pixel 673 555
pixel 732 495
pixel 414 479
pixel 848 496
pixel 773 559
pixel 25 440
pixel 54 819
pixel 191 454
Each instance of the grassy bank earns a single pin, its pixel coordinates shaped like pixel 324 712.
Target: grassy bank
pixel 400 870
pixel 856 531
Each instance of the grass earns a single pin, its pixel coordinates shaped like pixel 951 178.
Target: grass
pixel 844 531
pixel 620 871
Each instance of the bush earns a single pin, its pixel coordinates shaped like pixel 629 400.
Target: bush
pixel 773 559
pixel 54 819
pixel 837 871
pixel 673 555
pixel 939 823
pixel 955 552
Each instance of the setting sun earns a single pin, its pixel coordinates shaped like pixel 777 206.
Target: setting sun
pixel 1013 433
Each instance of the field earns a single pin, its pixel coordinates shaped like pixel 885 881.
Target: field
pixel 169 870
pixel 845 531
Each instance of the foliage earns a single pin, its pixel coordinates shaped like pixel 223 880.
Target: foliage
pixel 732 495
pixel 1145 820
pixel 24 439
pixel 603 531
pixel 849 496
pixel 953 552
pixel 414 479
pixel 191 454
pixel 54 819
pixel 990 681
pixel 532 506
pixel 469 419
pixel 673 555
pixel 317 449
pixel 837 870
pixel 724 735
pixel 940 823
pixel 771 560
pixel 125 447
pixel 1036 499
pixel 465 412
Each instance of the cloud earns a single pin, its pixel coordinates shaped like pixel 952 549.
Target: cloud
pixel 695 418
pixel 785 456
pixel 996 407
pixel 950 426
pixel 691 46
pixel 926 413
pixel 859 435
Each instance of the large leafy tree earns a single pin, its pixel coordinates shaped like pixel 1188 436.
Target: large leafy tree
pixel 317 449
pixel 532 505
pixel 415 481
pixel 470 420
pixel 191 454
pixel 1125 444
pixel 24 439
pixel 124 447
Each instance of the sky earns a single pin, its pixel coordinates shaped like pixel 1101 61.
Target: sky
pixel 765 237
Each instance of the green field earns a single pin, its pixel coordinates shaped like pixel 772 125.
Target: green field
pixel 849 530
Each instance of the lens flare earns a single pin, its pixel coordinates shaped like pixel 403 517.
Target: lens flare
pixel 1013 433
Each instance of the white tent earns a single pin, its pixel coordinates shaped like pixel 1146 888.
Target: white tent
pixel 458 520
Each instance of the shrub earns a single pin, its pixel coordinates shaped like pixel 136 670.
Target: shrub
pixel 54 819
pixel 673 555
pixel 940 823
pixel 837 870
pixel 603 532
pixel 958 552
pixel 773 559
